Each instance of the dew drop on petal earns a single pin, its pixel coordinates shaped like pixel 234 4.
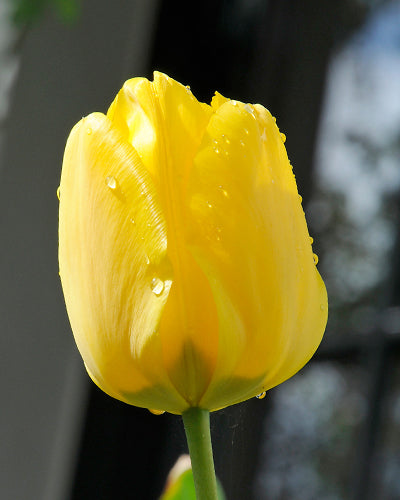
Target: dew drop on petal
pixel 217 150
pixel 132 221
pixel 89 131
pixel 315 257
pixel 209 204
pixel 157 286
pixel 111 182
pixel 246 131
pixel 156 412
pixel 234 103
pixel 283 137
pixel 311 240
pixel 241 143
pixel 322 307
pixel 264 136
pixel 261 395
pixel 300 198
pixel 249 109
pixel 58 193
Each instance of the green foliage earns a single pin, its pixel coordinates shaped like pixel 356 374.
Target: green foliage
pixel 183 488
pixel 29 11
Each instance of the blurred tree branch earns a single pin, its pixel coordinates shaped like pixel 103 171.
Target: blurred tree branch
pixel 27 12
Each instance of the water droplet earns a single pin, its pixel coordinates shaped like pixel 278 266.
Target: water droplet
pixel 132 220
pixel 241 143
pixel 147 257
pixel 157 286
pixel 111 182
pixel 234 103
pixel 315 257
pixel 249 109
pixel 311 240
pixel 227 141
pixel 156 412
pixel 89 131
pixel 300 198
pixel 283 137
pixel 209 204
pixel 188 87
pixel 274 119
pixel 261 395
pixel 273 181
pixel 58 193
pixel 264 136
pixel 246 131
pixel 322 307
pixel 217 150
pixel 224 191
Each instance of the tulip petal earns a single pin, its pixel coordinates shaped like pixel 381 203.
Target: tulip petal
pixel 249 236
pixel 165 123
pixel 114 267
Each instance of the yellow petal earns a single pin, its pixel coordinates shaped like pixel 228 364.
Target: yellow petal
pixel 114 267
pixel 249 236
pixel 166 125
pixel 218 100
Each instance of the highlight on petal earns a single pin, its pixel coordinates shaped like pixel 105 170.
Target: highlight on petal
pixel 114 267
pixel 147 112
pixel 188 327
pixel 185 258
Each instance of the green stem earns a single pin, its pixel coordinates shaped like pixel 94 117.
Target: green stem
pixel 197 428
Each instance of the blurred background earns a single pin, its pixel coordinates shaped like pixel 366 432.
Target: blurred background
pixel 330 72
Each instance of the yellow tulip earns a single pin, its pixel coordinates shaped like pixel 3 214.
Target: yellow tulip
pixel 185 258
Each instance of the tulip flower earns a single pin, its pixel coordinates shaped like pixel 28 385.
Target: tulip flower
pixel 185 258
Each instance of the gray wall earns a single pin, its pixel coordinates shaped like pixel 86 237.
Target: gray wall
pixel 65 73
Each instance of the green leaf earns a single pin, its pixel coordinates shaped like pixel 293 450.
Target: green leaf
pixel 182 488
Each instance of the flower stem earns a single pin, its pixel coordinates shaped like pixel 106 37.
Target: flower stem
pixel 197 428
